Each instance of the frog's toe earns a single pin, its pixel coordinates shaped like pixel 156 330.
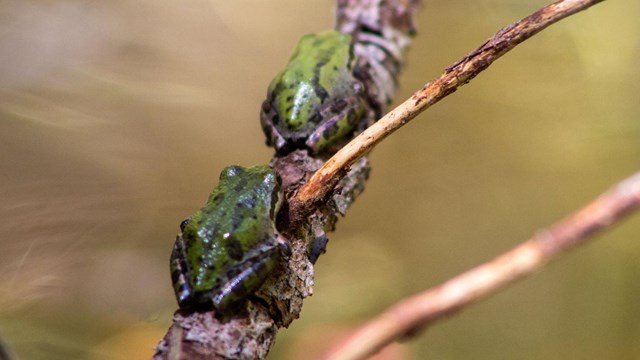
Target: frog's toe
pixel 282 146
pixel 317 247
pixel 283 245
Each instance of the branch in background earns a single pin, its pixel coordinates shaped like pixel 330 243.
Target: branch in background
pixel 421 310
pixel 458 74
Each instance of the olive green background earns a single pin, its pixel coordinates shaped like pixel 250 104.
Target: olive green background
pixel 116 118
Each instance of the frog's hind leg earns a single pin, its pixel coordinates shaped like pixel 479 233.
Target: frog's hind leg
pixel 178 266
pixel 335 127
pixel 242 281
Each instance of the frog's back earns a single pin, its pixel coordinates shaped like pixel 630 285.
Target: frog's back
pixel 316 71
pixel 237 212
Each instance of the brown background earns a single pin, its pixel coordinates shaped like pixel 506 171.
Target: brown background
pixel 116 118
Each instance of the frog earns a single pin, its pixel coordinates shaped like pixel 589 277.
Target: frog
pixel 228 248
pixel 316 101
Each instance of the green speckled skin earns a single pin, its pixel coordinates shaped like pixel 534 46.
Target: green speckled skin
pixel 315 101
pixel 229 247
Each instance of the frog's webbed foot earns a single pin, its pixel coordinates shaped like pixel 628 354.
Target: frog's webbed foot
pixel 275 139
pixel 280 144
pixel 317 247
pixel 283 245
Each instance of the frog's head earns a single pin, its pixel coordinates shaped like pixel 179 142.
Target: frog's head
pixel 259 182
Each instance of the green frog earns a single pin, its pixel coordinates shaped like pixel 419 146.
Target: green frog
pixel 316 101
pixel 228 248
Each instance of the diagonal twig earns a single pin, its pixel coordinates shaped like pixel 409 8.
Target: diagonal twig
pixel 423 309
pixel 460 73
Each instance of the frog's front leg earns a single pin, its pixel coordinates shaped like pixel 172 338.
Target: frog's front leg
pixel 340 118
pixel 247 277
pixel 269 121
pixel 179 272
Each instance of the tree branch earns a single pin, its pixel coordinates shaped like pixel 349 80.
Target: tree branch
pixel 421 310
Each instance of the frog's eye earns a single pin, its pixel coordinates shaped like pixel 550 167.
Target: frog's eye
pixel 184 224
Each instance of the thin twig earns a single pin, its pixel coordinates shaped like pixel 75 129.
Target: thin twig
pixel 425 308
pixel 455 76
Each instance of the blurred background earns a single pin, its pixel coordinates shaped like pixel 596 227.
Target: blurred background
pixel 116 118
